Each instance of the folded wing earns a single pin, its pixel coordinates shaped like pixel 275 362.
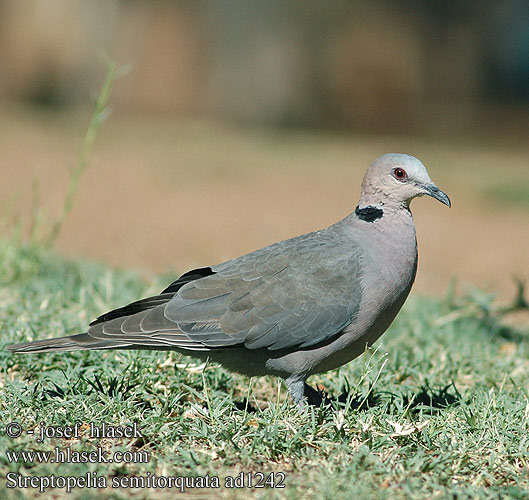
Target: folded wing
pixel 294 294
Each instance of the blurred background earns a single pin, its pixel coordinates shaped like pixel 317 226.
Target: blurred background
pixel 240 123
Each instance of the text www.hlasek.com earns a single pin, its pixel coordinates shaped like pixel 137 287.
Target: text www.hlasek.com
pixel 67 455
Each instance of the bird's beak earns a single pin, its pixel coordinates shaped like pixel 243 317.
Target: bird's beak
pixel 433 191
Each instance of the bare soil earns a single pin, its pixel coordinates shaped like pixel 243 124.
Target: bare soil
pixel 166 195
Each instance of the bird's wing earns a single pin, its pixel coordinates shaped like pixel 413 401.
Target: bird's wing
pixel 293 294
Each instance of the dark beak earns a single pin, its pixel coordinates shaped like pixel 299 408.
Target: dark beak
pixel 433 191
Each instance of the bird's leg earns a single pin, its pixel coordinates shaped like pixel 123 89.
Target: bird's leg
pixel 302 393
pixel 296 388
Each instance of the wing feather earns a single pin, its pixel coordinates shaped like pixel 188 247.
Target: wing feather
pixel 293 294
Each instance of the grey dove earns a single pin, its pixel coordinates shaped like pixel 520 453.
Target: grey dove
pixel 304 305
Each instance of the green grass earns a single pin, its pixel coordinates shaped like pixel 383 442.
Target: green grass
pixel 444 414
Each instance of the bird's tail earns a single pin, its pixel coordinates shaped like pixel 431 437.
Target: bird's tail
pixel 81 341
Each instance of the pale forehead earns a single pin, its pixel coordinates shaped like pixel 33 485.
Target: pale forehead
pixel 412 165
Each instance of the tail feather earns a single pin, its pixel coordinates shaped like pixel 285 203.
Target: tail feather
pixel 81 341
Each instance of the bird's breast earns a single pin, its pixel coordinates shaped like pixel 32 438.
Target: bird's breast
pixel 389 265
pixel 389 268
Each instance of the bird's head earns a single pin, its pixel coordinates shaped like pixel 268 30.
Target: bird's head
pixel 396 179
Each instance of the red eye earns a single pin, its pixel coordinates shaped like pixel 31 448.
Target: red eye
pixel 400 174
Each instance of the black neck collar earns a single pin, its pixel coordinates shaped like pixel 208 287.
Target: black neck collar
pixel 369 213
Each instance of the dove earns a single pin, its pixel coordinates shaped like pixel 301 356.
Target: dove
pixel 292 309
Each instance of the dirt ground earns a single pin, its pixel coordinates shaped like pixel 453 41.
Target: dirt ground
pixel 162 195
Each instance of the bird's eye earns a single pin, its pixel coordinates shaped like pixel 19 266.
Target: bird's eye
pixel 400 174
